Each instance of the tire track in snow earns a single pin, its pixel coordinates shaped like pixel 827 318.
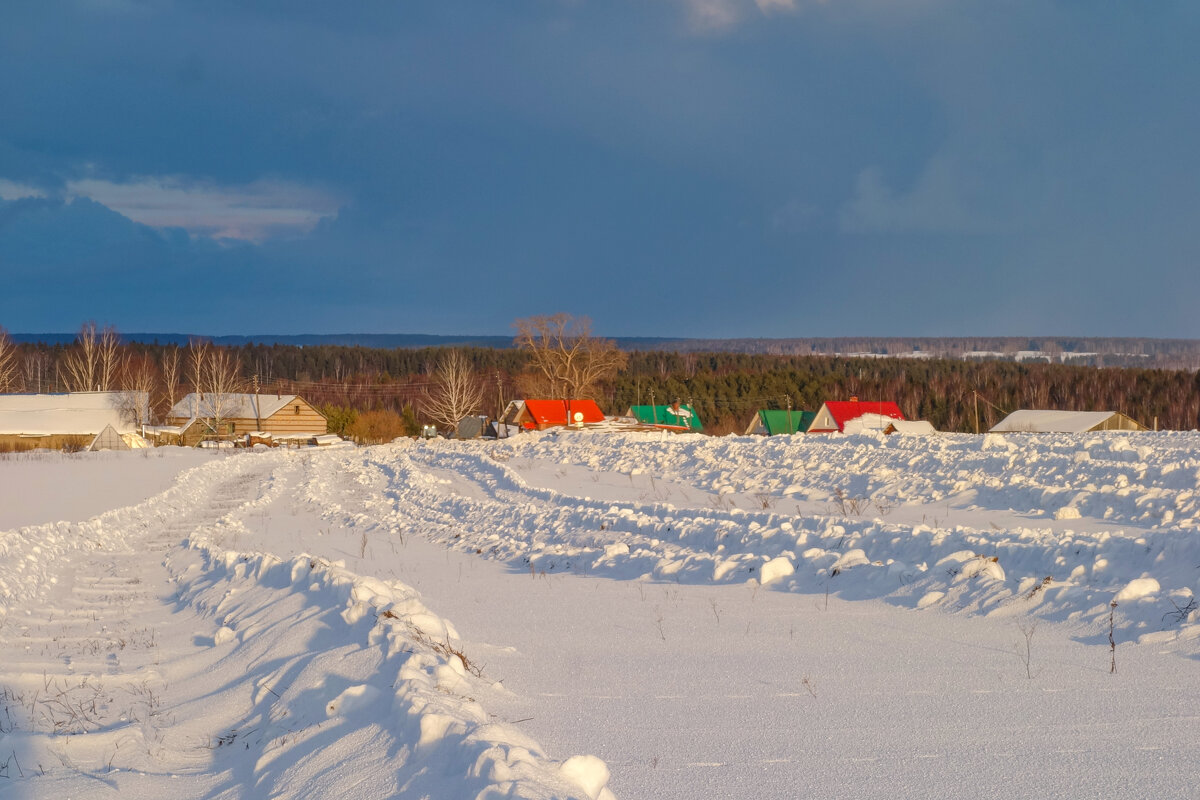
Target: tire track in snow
pixel 995 571
pixel 101 658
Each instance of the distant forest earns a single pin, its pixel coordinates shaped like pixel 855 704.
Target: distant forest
pixel 725 388
pixel 1091 351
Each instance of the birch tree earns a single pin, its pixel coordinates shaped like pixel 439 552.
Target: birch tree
pixel 171 375
pixel 216 379
pixel 93 362
pixel 139 378
pixel 10 372
pixel 455 390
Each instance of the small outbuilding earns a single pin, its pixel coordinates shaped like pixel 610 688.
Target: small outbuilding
pixel 109 439
pixel 1050 421
pixel 472 427
pixel 833 415
pixel 769 422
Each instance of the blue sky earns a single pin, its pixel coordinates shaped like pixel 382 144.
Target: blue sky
pixel 707 168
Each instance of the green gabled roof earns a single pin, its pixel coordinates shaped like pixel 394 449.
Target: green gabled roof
pixel 661 415
pixel 777 422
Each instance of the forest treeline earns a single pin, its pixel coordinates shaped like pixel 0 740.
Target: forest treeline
pixel 725 388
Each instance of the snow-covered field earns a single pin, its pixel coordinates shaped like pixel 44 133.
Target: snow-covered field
pixel 593 615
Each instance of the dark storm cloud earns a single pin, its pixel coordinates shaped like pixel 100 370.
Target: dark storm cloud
pixel 699 167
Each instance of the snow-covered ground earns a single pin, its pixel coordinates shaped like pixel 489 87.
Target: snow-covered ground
pixel 593 615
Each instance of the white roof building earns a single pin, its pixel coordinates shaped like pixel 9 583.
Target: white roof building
pixel 76 413
pixel 1046 421
pixel 232 406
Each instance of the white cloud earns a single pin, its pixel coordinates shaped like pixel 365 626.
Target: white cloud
pixel 715 16
pixel 250 212
pixel 940 201
pixel 770 6
pixel 10 190
pixel 710 16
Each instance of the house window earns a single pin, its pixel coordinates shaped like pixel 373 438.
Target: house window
pixel 297 409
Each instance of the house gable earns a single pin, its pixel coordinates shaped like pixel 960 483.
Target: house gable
pixel 834 414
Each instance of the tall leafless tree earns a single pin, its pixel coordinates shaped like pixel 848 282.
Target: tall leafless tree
pixel 566 360
pixel 38 367
pixel 171 375
pixel 455 390
pixel 93 362
pixel 217 381
pixel 10 372
pixel 138 380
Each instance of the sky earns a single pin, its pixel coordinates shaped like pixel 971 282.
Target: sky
pixel 701 168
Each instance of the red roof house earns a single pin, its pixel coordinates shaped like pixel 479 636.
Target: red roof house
pixel 833 415
pixel 542 414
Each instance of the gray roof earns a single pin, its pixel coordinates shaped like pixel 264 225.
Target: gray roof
pixel 232 406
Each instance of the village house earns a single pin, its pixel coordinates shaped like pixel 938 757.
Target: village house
pixel 677 417
pixel 833 415
pixel 542 414
pixel 248 418
pixel 768 422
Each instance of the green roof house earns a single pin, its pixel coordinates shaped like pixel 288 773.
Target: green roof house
pixel 773 423
pixel 677 416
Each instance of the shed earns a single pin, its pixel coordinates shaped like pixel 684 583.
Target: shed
pixel 472 427
pixel 769 422
pixel 677 416
pixel 834 414
pixel 1049 421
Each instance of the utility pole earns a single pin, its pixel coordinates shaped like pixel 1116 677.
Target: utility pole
pixel 257 420
pixel 789 402
pixel 975 394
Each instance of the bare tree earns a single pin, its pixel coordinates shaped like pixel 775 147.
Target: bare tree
pixel 10 373
pixel 216 379
pixel 171 375
pixel 566 361
pixel 94 361
pixel 456 390
pixel 37 368
pixel 138 379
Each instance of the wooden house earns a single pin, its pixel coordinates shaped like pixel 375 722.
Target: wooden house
pixel 248 417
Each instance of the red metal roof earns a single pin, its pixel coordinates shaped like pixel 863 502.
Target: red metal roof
pixel 554 412
pixel 843 411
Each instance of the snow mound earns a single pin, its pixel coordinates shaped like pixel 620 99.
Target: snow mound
pixel 590 773
pixel 775 569
pixel 1136 590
